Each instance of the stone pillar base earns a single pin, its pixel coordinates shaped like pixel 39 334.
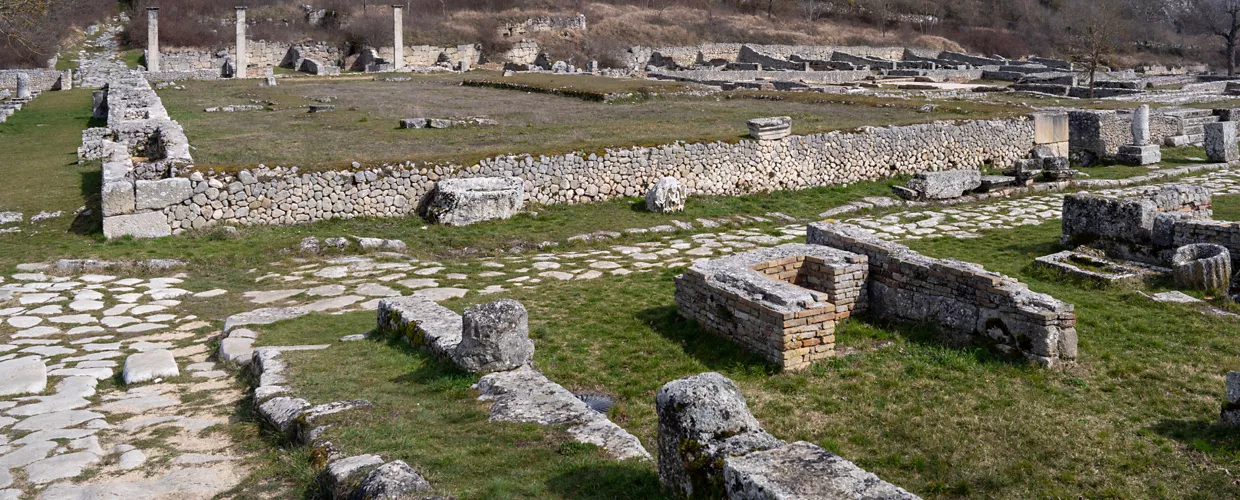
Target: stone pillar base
pixel 1139 155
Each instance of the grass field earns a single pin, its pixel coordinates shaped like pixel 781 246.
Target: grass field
pixel 364 127
pixel 1133 419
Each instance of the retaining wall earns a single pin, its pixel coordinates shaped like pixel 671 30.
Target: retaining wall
pixel 639 57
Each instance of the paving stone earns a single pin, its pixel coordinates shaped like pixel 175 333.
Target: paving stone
pixel 27 454
pixel 27 375
pixel 375 290
pixel 326 291
pixel 59 467
pixel 56 420
pixel 418 283
pixel 439 294
pixel 267 297
pixel 149 366
pixel 131 459
pixel 210 294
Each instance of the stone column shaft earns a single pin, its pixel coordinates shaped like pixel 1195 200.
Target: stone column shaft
pixel 398 38
pixel 152 39
pixel 242 59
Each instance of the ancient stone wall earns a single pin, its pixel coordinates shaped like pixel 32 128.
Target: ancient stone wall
pixel 523 52
pixel 781 303
pixel 1193 231
pixel 970 303
pixel 544 24
pixel 640 57
pixel 40 79
pixel 1102 132
pixel 1139 228
pixel 287 196
pixel 710 76
pixel 259 53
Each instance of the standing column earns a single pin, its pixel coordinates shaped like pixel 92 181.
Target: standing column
pixel 242 60
pixel 152 39
pixel 398 38
pixel 23 86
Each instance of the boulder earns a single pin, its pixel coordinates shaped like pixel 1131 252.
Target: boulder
pixel 393 480
pixel 945 185
pixel 461 202
pixel 703 420
pixel 495 338
pixel 666 196
pixel 769 129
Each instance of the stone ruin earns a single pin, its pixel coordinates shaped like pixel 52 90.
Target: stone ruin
pixel 441 123
pixel 783 303
pixel 493 340
pixel 1168 231
pixel 711 446
pixel 666 196
pixel 770 129
pixel 461 202
pixel 1140 152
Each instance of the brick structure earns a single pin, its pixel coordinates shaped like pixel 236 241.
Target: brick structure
pixel 782 302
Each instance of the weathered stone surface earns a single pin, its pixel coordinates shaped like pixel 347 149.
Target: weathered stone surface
pixel 1221 142
pixel 150 365
pixel 1139 155
pixel 1202 266
pixel 703 420
pixel 946 184
pixel 803 471
pixel 22 376
pixel 666 196
pixel 461 202
pixel 495 337
pixel 59 467
pixel 236 350
pixel 281 412
pixel 1230 416
pixel 394 480
pixel 145 225
pixel 769 129
pixel 117 198
pixel 155 195
pixel 422 321
pixel 341 476
pixel 263 317
pixel 527 396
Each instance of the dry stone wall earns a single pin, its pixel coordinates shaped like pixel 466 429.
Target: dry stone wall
pixel 1102 132
pixel 640 57
pixel 39 79
pixel 288 196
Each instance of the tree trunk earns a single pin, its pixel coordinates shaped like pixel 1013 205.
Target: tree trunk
pixel 1231 57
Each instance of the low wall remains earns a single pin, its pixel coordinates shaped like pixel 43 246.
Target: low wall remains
pixel 39 79
pixel 640 57
pixel 288 196
pixel 710 76
pixel 1102 132
pixel 970 303
pixel 1142 228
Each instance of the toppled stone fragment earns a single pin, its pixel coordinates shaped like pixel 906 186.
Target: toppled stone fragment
pixel 461 202
pixel 666 196
pixel 805 471
pixel 149 365
pixel 495 337
pixel 393 480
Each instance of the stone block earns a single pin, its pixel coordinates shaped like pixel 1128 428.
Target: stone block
pixel 156 195
pixel 413 123
pixel 1050 128
pixel 394 480
pixel 1221 142
pixel 495 337
pixel 666 196
pixel 946 184
pixel 117 198
pixel 143 225
pixel 805 471
pixel 461 202
pixel 1139 155
pixel 769 129
pixel 702 420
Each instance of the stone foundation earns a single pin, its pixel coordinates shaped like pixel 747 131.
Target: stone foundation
pixel 782 303
pixel 968 302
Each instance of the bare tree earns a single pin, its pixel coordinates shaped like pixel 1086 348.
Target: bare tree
pixel 1095 30
pixel 1221 18
pixel 17 18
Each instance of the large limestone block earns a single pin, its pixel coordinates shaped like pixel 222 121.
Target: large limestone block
pixel 155 195
pixel 1220 142
pixel 495 338
pixel 666 196
pixel 461 202
pixel 1050 128
pixel 340 476
pixel 799 471
pixel 117 198
pixel 144 225
pixel 769 129
pixel 945 185
pixel 22 376
pixel 703 419
pixel 150 365
pixel 282 412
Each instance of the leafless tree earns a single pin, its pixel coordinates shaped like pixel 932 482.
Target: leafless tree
pixel 1220 18
pixel 1095 30
pixel 17 18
